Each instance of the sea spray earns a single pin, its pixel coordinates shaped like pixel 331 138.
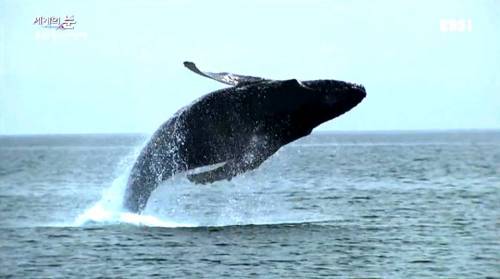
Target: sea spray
pixel 179 203
pixel 109 209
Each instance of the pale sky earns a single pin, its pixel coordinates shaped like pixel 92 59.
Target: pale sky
pixel 120 69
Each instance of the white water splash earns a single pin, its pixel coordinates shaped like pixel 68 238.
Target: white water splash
pixel 179 203
pixel 109 210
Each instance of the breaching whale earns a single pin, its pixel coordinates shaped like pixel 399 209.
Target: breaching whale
pixel 235 129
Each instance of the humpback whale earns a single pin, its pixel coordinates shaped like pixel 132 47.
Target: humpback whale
pixel 235 129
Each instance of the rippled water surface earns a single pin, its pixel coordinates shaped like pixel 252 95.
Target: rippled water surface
pixel 388 205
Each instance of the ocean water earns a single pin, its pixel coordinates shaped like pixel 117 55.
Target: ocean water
pixel 346 205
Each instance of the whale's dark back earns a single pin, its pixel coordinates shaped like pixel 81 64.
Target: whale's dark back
pixel 222 123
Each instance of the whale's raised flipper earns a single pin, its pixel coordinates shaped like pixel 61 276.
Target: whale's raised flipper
pixel 226 78
pixel 251 157
pixel 227 171
pixel 220 173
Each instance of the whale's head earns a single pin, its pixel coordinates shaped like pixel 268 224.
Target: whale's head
pixel 322 100
pixel 334 96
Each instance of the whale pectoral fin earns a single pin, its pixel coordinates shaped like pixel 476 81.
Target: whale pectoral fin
pixel 219 173
pixel 227 171
pixel 231 168
pixel 226 78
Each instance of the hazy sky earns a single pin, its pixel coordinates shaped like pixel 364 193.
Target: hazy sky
pixel 120 69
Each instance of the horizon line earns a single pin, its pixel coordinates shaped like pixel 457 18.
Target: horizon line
pixel 438 130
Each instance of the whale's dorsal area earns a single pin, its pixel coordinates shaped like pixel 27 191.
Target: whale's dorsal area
pixel 226 78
